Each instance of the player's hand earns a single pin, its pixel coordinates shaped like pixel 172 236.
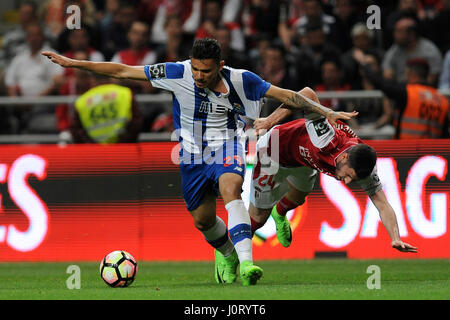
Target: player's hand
pixel 403 247
pixel 58 59
pixel 261 125
pixel 333 116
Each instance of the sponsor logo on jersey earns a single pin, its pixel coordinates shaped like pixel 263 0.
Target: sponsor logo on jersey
pixel 209 107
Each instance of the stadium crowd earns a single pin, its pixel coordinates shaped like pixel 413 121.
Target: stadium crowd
pixel 289 43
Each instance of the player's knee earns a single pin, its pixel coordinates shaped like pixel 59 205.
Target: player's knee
pixel 230 193
pixel 203 224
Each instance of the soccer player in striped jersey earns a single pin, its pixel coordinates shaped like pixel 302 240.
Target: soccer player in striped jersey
pixel 210 103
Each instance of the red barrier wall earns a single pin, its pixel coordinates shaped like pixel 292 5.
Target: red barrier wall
pixel 79 202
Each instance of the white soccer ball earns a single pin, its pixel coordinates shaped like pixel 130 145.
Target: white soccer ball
pixel 118 269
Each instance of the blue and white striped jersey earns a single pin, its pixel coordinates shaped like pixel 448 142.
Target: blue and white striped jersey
pixel 204 118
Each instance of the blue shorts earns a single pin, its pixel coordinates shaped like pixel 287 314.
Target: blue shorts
pixel 200 177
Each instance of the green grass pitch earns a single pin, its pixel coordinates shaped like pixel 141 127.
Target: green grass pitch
pixel 283 280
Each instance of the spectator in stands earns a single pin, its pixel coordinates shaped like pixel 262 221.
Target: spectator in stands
pixel 14 41
pixel 71 41
pixel 107 14
pixel 54 13
pixel 30 74
pixel 276 70
pixel 75 85
pixel 404 8
pixel 409 44
pixel 261 17
pixel 422 112
pixel 79 40
pixel 444 81
pixel 188 10
pixel 290 11
pixel 309 54
pixel 178 44
pixel 332 80
pixel 260 42
pixel 113 118
pixel 313 13
pixel 137 54
pixel 362 40
pixel 346 17
pixel 115 36
pixel 373 113
pixel 190 13
pixel 212 19
pixel 233 58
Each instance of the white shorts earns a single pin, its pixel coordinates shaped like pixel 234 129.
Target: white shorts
pixel 267 188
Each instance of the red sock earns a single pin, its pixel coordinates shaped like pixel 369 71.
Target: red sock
pixel 284 205
pixel 255 225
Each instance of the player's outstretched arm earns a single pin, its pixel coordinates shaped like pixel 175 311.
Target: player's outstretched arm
pixel 389 221
pixel 110 69
pixel 296 100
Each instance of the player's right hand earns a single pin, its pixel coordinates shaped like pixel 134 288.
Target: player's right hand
pixel 261 125
pixel 58 59
pixel 333 116
pixel 403 246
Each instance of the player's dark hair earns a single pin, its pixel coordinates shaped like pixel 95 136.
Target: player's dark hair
pixel 362 159
pixel 206 48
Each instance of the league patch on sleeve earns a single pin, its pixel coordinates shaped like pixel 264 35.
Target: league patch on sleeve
pixel 321 126
pixel 157 71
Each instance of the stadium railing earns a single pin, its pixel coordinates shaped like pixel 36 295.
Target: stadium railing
pixel 164 99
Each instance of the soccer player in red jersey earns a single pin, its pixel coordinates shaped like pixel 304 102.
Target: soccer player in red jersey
pixel 289 158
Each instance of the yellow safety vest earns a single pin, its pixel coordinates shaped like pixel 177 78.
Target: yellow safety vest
pixel 104 111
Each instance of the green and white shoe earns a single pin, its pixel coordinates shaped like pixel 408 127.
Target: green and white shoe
pixel 225 267
pixel 284 232
pixel 250 274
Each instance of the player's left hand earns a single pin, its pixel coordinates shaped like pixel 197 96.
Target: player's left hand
pixel 333 116
pixel 403 247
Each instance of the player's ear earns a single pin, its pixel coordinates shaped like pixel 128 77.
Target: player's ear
pixel 221 64
pixel 345 156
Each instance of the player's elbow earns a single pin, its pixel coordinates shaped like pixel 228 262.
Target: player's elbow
pixel 309 93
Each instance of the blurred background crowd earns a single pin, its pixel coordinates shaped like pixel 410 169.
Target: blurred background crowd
pixel 289 43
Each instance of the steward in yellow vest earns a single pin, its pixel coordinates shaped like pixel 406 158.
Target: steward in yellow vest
pixel 106 114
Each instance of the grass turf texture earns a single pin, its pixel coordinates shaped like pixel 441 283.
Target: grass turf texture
pixel 285 280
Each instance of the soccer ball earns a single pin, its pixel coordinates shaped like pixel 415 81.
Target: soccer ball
pixel 118 269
